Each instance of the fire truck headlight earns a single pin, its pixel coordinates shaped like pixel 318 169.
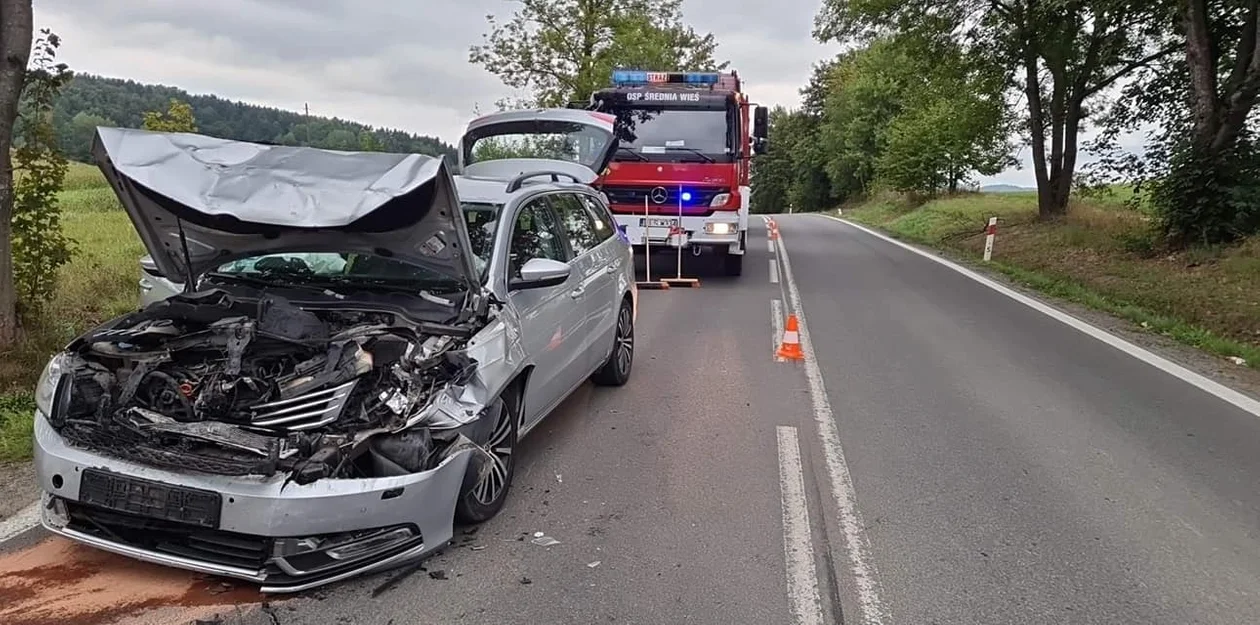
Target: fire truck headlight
pixel 720 199
pixel 720 228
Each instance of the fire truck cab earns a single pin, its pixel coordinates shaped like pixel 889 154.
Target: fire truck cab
pixel 678 176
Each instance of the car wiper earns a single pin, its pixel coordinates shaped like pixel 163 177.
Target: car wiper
pixel 410 285
pixel 702 155
pixel 262 282
pixel 631 152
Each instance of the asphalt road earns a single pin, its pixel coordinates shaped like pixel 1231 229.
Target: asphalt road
pixel 945 455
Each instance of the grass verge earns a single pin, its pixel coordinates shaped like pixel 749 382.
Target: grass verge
pixel 99 283
pixel 1104 255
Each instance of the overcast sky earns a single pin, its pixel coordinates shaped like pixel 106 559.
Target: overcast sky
pixel 382 62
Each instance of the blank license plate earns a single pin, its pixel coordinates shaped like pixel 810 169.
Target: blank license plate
pixel 150 499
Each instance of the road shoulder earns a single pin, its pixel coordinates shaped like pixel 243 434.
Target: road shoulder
pixel 17 487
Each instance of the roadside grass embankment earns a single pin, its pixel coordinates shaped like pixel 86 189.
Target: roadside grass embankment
pixel 99 283
pixel 1104 254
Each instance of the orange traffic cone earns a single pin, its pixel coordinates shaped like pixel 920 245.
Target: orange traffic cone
pixel 790 348
pixel 774 231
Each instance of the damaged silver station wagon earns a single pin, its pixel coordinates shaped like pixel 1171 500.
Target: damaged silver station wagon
pixel 360 341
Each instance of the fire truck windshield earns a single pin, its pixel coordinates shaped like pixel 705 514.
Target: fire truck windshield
pixel 673 135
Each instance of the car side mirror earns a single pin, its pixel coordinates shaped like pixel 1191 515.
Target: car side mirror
pixel 761 123
pixel 540 273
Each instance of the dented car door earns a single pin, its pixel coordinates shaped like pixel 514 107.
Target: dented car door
pixel 550 316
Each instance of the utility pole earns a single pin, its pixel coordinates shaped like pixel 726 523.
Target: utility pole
pixel 307 107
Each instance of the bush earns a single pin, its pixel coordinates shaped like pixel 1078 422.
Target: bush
pixel 1210 199
pixel 17 414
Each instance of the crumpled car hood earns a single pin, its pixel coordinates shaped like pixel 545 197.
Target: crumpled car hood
pixel 233 199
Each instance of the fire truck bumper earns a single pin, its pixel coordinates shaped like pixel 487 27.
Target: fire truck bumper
pixel 718 232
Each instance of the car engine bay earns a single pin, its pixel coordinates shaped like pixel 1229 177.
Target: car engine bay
pixel 217 384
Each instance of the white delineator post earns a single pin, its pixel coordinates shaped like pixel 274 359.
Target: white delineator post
pixel 990 232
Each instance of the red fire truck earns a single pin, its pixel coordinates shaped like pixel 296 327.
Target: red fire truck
pixel 679 177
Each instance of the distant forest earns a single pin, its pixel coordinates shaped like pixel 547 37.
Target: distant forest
pixel 90 101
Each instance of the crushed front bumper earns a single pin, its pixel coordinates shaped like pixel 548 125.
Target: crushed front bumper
pixel 285 537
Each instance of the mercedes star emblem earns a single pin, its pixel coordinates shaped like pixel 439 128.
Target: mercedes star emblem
pixel 659 195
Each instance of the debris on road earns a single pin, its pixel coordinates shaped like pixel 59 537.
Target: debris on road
pixel 545 541
pixel 438 574
pixel 526 581
pixel 392 582
pixel 1238 361
pixel 593 564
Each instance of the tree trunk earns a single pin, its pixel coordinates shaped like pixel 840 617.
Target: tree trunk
pixel 1201 63
pixel 16 30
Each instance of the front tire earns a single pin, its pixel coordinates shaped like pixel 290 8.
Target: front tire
pixel 616 371
pixel 482 498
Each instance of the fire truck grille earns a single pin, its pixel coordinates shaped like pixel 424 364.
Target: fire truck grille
pixel 665 196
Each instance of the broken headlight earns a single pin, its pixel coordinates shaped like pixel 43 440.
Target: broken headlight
pixel 46 388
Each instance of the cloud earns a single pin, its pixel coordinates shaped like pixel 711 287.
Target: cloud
pixel 395 64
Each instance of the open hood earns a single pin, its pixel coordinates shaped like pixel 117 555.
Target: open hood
pixel 199 202
pixel 580 143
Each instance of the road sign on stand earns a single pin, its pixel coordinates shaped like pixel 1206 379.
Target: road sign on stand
pixel 678 238
pixel 647 254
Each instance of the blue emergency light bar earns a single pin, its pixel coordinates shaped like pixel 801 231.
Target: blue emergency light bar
pixel 634 77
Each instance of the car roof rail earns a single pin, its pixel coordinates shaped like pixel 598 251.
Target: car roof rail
pixel 518 181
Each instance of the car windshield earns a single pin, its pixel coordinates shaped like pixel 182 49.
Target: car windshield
pixel 577 143
pixel 673 135
pixel 336 269
pixel 482 218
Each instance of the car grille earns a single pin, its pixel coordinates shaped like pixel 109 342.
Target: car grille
pixel 304 412
pixel 634 195
pixel 185 455
pixel 171 538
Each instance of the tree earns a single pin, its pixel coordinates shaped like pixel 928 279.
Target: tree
pixel 76 136
pixel 178 118
pixel 772 172
pixel 16 31
pixel 40 247
pixel 563 50
pixel 1060 54
pixel 1210 190
pixel 123 103
pixel 952 121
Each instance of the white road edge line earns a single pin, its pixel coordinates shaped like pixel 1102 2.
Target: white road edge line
pixel 871 607
pixel 22 520
pixel 1203 383
pixel 776 326
pixel 774 272
pixel 770 245
pixel 798 546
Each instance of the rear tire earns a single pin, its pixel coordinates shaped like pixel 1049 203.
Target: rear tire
pixel 616 371
pixel 481 499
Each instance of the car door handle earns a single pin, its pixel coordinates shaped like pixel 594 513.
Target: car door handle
pixel 577 293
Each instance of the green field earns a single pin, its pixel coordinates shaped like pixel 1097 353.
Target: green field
pixel 1104 254
pixel 99 283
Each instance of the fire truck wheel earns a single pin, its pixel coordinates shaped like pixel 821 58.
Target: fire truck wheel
pixel 616 372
